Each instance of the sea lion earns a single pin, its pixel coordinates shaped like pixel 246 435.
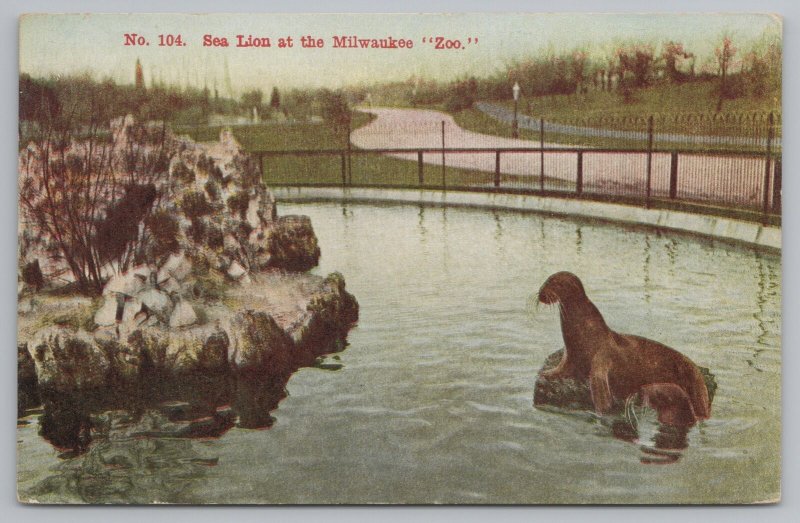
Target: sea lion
pixel 617 366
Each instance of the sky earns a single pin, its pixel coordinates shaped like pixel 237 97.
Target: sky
pixel 66 44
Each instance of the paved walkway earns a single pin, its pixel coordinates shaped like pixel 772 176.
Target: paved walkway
pixel 723 179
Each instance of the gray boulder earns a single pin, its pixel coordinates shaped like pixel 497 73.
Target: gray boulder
pixel 177 266
pixel 203 348
pixel 259 344
pixel 292 244
pixel 107 313
pixel 182 315
pixel 66 360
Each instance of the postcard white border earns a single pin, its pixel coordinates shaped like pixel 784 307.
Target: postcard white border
pixel 787 510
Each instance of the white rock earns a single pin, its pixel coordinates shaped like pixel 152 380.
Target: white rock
pixel 26 306
pixel 236 271
pixel 143 271
pixel 130 310
pixel 170 285
pixel 176 266
pixel 252 212
pixel 230 243
pixel 182 315
pixel 155 300
pixel 127 283
pixel 107 313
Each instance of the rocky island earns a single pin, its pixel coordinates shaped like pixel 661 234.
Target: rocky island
pixel 157 279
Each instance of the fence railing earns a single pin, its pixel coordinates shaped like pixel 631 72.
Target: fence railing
pixel 721 130
pixel 743 185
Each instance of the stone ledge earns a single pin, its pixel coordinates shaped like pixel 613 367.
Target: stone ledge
pixel 727 229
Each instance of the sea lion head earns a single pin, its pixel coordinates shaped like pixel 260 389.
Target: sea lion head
pixel 561 287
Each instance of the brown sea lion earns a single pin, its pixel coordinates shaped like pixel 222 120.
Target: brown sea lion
pixel 617 366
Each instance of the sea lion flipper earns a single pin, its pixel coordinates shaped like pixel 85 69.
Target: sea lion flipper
pixel 601 392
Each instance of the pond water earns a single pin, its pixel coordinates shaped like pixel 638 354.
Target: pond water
pixel 432 401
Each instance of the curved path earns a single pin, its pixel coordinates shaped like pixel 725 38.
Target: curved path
pixel 731 180
pixel 505 115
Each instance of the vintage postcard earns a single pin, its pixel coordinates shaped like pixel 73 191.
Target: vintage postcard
pixel 403 259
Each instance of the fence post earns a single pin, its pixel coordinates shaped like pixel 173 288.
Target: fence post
pixel 349 155
pixel 541 153
pixel 649 160
pixel 777 186
pixel 767 164
pixel 419 168
pixel 673 176
pixel 344 168
pixel 497 168
pixel 444 180
pixel 579 179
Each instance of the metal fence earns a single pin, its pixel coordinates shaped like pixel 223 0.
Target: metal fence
pixel 740 181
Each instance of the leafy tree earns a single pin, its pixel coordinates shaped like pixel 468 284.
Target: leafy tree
pixel 672 52
pixel 638 60
pixel 463 95
pixel 77 173
pixel 275 99
pixel 252 99
pixel 120 226
pixel 725 53
pixel 38 101
pixel 335 109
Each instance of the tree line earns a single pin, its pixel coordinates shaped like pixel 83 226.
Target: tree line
pixel 623 69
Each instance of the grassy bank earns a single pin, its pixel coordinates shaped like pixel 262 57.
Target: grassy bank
pixel 688 109
pixel 363 169
pixel 671 99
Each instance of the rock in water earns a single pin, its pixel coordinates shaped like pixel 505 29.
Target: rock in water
pixel 259 344
pixel 292 244
pixel 574 395
pixel 67 361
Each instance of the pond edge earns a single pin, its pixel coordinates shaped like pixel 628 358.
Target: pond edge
pixel 765 237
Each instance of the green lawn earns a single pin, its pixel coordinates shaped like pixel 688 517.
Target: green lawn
pixel 694 98
pixel 380 170
pixel 475 120
pixel 688 109
pixel 363 169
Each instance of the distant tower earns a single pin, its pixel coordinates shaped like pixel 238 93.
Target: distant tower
pixel 139 75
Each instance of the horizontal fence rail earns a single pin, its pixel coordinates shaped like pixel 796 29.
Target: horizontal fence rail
pixel 739 182
pixel 743 129
pixel 721 182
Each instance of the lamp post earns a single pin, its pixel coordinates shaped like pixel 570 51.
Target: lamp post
pixel 515 123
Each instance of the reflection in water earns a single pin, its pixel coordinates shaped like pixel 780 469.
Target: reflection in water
pixel 423 231
pixel 765 294
pixel 655 405
pixel 196 405
pixel 578 239
pixel 446 245
pixel 109 453
pixel 127 469
pixel 433 404
pixel 65 423
pixel 646 286
pixel 498 229
pixel 668 440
